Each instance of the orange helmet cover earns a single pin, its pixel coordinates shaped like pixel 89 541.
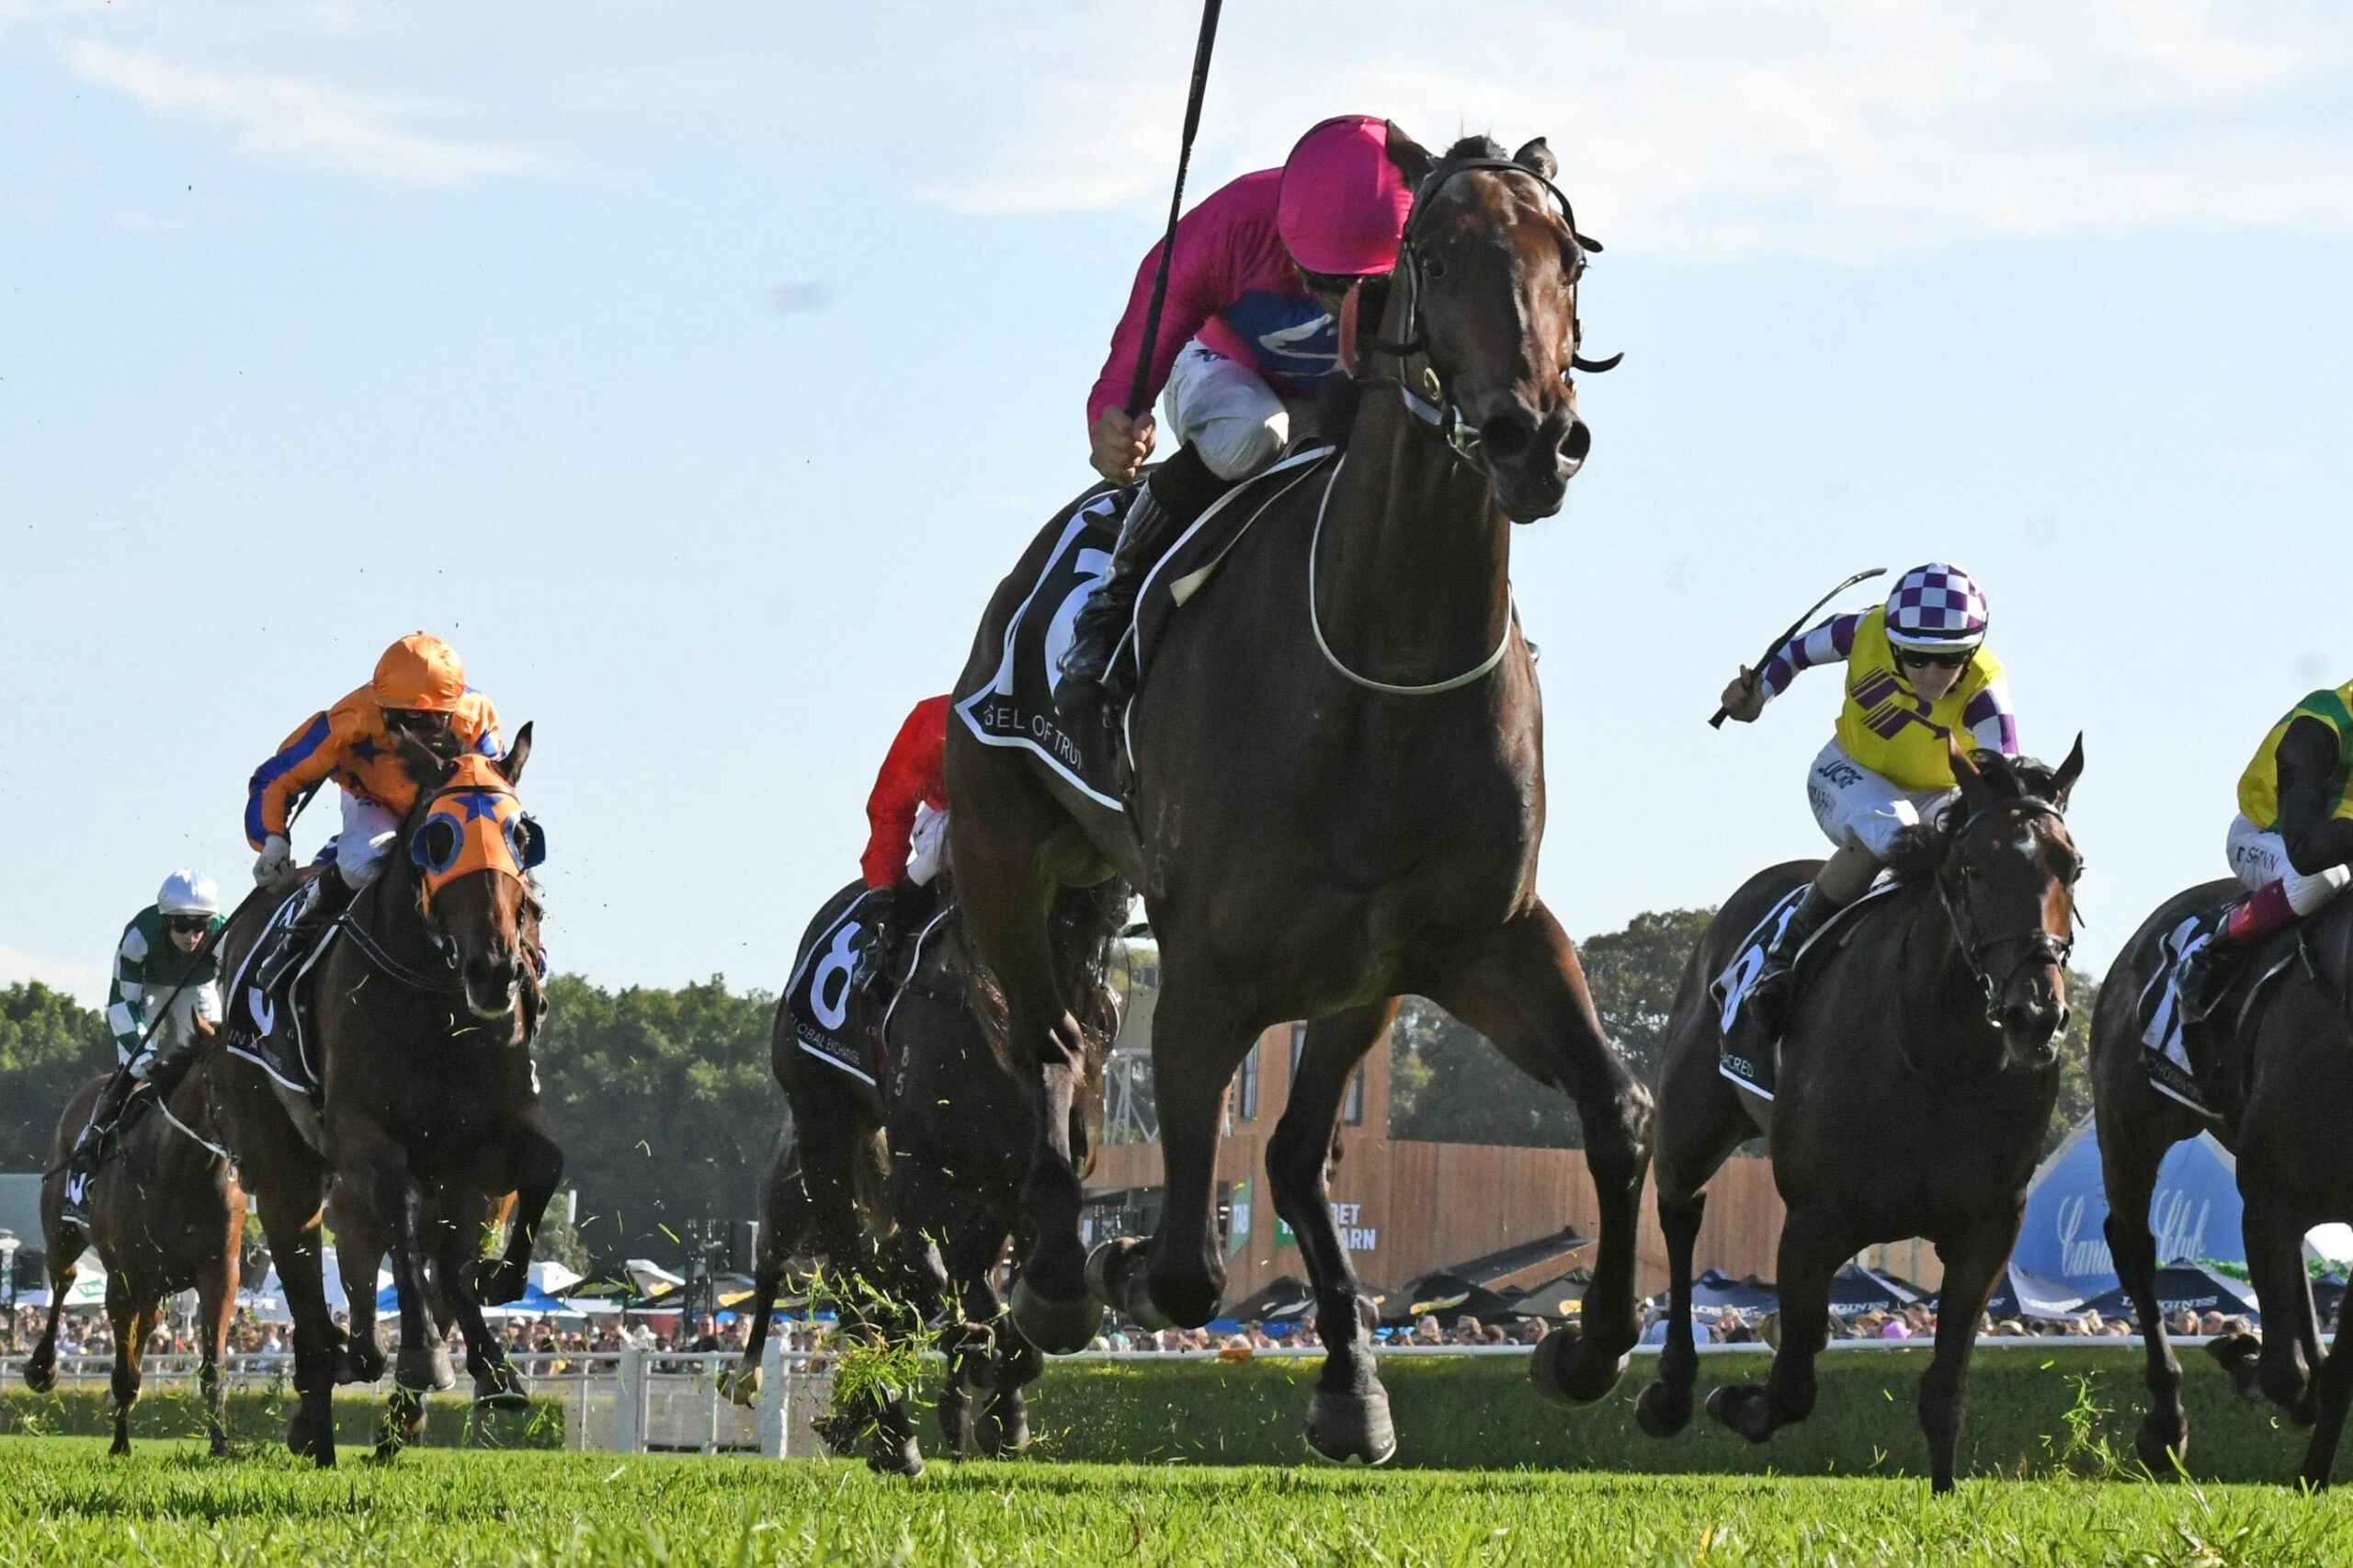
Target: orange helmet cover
pixel 419 671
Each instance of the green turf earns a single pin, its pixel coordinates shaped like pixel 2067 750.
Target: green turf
pixel 61 1500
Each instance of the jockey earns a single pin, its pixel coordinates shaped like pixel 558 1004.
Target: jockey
pixel 1918 673
pixel 163 1003
pixel 419 690
pixel 2291 842
pixel 1249 332
pixel 908 812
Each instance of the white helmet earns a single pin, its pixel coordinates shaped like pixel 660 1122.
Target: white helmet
pixel 188 892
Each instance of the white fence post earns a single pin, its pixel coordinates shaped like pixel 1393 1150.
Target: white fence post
pixel 772 1398
pixel 629 1403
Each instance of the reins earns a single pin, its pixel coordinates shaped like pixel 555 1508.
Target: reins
pixel 1315 622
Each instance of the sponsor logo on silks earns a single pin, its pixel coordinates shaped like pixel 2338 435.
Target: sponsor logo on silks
pixel 1839 771
pixel 1888 709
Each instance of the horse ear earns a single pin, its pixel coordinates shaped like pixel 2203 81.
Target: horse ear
pixel 510 767
pixel 1967 774
pixel 2063 781
pixel 1413 160
pixel 1539 157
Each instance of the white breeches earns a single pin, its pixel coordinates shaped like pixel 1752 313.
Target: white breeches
pixel 2260 857
pixel 929 851
pixel 1225 411
pixel 369 830
pixel 1858 807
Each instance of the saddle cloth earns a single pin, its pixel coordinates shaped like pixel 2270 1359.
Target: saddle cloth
pixel 1731 988
pixel 831 1020
pixel 2158 1009
pixel 271 1031
pixel 1017 707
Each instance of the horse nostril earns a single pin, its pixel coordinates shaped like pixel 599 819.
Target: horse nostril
pixel 1575 444
pixel 1508 437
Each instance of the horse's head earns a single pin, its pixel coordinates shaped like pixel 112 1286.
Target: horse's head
pixel 471 848
pixel 2008 879
pixel 1482 315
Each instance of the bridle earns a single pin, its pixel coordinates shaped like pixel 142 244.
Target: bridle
pixel 2037 946
pixel 1426 394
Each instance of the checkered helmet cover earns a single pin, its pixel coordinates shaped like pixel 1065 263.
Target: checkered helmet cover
pixel 1937 606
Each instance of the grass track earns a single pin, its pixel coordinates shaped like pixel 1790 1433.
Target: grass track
pixel 61 1500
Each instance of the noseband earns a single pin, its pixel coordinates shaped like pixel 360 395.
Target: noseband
pixel 1426 394
pixel 2036 947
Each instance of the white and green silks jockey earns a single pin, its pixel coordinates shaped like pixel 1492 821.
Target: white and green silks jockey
pixel 163 1003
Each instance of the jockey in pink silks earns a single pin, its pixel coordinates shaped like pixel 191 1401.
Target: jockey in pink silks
pixel 1249 333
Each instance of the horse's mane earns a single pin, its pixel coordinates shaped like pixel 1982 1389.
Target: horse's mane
pixel 1079 932
pixel 1920 851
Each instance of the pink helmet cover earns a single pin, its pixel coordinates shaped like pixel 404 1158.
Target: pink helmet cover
pixel 1343 204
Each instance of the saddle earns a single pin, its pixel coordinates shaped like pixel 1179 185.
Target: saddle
pixel 1729 989
pixel 1015 707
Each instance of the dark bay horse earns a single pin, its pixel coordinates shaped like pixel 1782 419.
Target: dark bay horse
pixel 2281 1071
pixel 422 1013
pixel 166 1215
pixel 1339 797
pixel 910 1188
pixel 1917 1083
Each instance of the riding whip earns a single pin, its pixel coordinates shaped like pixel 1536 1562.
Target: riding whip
pixel 1795 627
pixel 1139 389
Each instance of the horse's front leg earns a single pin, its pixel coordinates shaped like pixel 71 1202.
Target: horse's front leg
pixel 1814 1244
pixel 2275 1263
pixel 216 1296
pixel 457 1247
pixel 41 1366
pixel 132 1322
pixel 2128 1165
pixel 785 1210
pixel 1971 1264
pixel 378 1170
pixel 534 1165
pixel 290 1217
pixel 1198 1040
pixel 1521 986
pixel 1348 1418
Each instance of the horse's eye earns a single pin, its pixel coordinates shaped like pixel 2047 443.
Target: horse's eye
pixel 1433 269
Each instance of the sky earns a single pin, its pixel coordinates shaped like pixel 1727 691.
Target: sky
pixel 698 370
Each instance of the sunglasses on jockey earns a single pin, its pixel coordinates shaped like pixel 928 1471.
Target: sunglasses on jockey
pixel 187 924
pixel 1941 659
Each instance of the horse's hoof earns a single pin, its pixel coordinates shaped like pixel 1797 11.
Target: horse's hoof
pixel 41 1374
pixel 838 1433
pixel 425 1369
pixel 311 1434
pixel 1001 1434
pixel 502 1388
pixel 1566 1371
pixel 741 1386
pixel 901 1457
pixel 1744 1408
pixel 2161 1450
pixel 1115 1276
pixel 1059 1328
pixel 119 1448
pixel 1351 1428
pixel 956 1430
pixel 1662 1411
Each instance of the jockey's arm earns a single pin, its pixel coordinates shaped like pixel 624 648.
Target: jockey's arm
pixel 1198 289
pixel 1827 644
pixel 898 789
pixel 127 994
pixel 2310 755
pixel 305 758
pixel 1992 723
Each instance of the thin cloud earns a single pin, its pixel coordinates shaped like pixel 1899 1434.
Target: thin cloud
pixel 301 121
pixel 85 982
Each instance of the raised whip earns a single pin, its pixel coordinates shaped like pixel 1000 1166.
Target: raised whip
pixel 1795 627
pixel 1139 394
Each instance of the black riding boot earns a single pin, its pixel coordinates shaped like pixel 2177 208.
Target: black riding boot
pixel 324 897
pixel 880 916
pixel 1764 1012
pixel 1179 492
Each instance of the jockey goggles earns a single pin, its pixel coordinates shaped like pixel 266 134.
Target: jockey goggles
pixel 1938 658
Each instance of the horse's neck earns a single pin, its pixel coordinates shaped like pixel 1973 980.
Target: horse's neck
pixel 1413 571
pixel 1940 996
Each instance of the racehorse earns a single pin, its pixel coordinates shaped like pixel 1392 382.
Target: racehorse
pixel 1337 799
pixel 2281 1047
pixel 911 1188
pixel 453 1222
pixel 166 1215
pixel 1917 1078
pixel 421 1013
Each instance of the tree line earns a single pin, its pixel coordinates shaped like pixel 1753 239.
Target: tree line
pixel 667 1114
